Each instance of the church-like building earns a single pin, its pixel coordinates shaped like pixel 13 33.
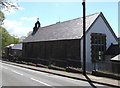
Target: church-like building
pixel 61 44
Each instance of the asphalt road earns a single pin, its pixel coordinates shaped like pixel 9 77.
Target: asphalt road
pixel 17 76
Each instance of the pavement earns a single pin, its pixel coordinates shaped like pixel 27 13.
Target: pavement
pixel 89 78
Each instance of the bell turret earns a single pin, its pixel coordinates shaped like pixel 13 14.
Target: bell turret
pixel 36 27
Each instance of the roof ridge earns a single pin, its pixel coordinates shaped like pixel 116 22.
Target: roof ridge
pixel 94 13
pixel 59 31
pixel 71 20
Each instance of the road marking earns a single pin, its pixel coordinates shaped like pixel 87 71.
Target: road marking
pixel 53 76
pixel 40 82
pixel 17 72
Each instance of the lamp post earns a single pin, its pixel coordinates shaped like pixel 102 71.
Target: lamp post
pixel 84 39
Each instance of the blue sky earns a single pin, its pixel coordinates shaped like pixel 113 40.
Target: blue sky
pixel 20 22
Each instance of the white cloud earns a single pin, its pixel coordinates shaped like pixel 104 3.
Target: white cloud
pixel 29 19
pixel 16 28
pixel 21 8
pixel 11 10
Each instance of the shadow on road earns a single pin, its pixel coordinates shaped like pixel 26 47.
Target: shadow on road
pixel 90 82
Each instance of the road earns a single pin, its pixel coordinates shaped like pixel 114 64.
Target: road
pixel 18 76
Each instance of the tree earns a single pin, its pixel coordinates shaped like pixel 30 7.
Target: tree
pixel 2 17
pixel 8 6
pixel 6 39
pixel 15 40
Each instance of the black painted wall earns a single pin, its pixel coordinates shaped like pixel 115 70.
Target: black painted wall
pixel 61 52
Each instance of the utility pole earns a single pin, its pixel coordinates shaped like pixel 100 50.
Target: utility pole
pixel 84 38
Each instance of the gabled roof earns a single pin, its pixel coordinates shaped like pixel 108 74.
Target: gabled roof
pixel 71 29
pixel 15 46
pixel 116 58
pixel 114 49
pixel 10 45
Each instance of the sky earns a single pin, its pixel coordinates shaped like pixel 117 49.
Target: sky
pixel 20 22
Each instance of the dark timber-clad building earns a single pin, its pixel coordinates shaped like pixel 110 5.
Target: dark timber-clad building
pixel 61 44
pixel 13 51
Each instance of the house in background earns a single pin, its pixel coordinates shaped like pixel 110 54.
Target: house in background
pixel 116 64
pixel 112 51
pixel 61 44
pixel 13 51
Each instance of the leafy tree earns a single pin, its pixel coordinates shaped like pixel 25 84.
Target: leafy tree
pixel 8 5
pixel 15 40
pixel 2 17
pixel 6 39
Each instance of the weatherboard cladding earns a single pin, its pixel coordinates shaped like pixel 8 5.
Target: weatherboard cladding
pixel 72 29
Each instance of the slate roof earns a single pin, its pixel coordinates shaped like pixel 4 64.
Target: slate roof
pixel 72 29
pixel 116 58
pixel 114 49
pixel 15 46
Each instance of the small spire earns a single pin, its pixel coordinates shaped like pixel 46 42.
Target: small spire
pixel 37 19
pixel 36 27
pixel 59 19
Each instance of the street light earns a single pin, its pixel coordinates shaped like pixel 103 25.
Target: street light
pixel 84 39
